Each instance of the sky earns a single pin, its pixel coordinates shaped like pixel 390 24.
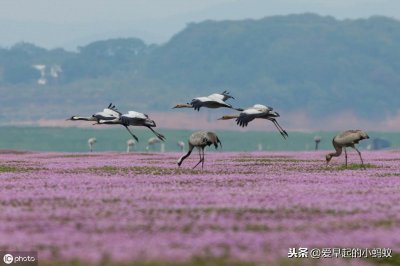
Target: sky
pixel 73 23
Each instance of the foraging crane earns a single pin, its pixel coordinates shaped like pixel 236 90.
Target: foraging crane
pixel 91 143
pixel 200 139
pixel 215 100
pixel 257 111
pixel 130 143
pixel 151 142
pixel 109 113
pixel 133 118
pixel 346 139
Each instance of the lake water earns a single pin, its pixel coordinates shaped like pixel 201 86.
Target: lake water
pixel 74 139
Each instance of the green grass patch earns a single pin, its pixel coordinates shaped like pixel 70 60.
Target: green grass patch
pixel 390 160
pixel 260 160
pixel 388 174
pixel 76 156
pixel 8 168
pixel 144 170
pixel 257 227
pixel 354 166
pixel 386 223
pixel 5 168
pixel 361 224
pixel 393 261
pixel 240 212
pixel 338 167
pixel 111 200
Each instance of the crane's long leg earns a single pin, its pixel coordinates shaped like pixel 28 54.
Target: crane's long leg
pixel 160 136
pixel 345 156
pixel 278 125
pixel 359 154
pixel 130 132
pixel 280 129
pixel 201 159
pixel 202 163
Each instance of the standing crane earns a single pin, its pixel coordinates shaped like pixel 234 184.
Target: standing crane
pixel 317 140
pixel 200 139
pixel 91 143
pixel 257 111
pixel 130 143
pixel 345 139
pixel 181 145
pixel 215 100
pixel 133 118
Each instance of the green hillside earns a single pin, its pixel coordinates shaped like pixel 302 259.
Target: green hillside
pixel 297 62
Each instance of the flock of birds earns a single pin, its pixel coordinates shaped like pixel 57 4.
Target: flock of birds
pixel 201 139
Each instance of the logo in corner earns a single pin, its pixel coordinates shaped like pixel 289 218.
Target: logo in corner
pixel 8 258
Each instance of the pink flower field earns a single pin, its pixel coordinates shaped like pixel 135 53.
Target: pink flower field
pixel 241 209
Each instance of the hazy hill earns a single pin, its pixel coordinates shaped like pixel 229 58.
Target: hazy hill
pixel 296 63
